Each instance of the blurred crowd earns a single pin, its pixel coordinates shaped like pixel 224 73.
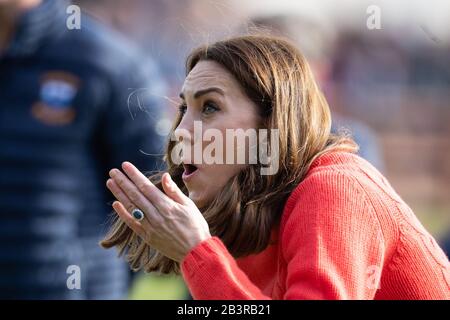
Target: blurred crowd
pixel 391 92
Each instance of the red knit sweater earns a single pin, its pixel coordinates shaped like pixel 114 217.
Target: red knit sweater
pixel 344 234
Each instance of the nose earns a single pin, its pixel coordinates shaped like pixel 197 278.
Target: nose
pixel 185 129
pixel 189 134
pixel 184 135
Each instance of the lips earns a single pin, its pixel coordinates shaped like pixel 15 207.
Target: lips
pixel 189 171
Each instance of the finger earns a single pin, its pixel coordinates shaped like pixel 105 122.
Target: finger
pixel 171 189
pixel 149 220
pixel 119 194
pixel 135 196
pixel 126 217
pixel 151 192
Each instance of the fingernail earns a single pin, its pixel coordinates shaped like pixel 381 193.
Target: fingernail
pixel 112 172
pixel 126 164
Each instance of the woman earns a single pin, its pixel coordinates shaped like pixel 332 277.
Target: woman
pixel 324 225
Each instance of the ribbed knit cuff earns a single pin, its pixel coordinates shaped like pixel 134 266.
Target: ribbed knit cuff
pixel 201 254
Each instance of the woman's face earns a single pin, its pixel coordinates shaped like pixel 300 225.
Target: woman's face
pixel 212 97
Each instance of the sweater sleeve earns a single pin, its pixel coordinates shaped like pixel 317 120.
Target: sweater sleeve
pixel 331 243
pixel 211 273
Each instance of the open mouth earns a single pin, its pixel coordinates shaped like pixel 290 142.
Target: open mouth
pixel 189 170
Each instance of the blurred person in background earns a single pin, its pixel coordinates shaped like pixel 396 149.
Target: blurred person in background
pixel 73 103
pixel 367 66
pixel 155 28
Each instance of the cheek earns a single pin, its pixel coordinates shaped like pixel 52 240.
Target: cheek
pixel 220 174
pixel 233 148
pixel 214 177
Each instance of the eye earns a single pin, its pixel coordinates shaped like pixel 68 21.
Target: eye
pixel 182 108
pixel 209 108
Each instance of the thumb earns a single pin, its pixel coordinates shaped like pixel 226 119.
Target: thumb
pixel 172 191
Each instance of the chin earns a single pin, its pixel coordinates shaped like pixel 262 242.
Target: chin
pixel 198 198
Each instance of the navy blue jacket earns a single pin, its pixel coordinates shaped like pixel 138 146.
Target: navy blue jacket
pixel 73 104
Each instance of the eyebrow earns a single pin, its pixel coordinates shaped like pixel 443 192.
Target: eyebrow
pixel 200 93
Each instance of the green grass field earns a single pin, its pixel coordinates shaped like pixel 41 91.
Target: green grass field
pixel 151 287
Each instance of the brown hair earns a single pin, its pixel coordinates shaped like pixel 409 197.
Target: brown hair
pixel 276 76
